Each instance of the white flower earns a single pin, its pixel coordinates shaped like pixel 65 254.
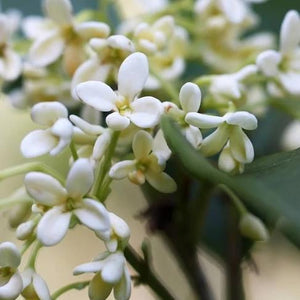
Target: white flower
pixel 102 136
pixel 228 163
pixel 62 36
pixel 108 54
pixel 229 128
pixel 119 235
pixel 147 165
pixel 10 61
pixel 284 65
pixel 111 274
pixel 34 286
pixel 63 202
pixel 144 112
pixel 190 101
pixel 231 85
pixel 11 284
pixel 55 138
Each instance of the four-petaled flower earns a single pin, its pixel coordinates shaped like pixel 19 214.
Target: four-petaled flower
pixel 284 66
pixel 111 273
pixel 60 203
pixel 55 138
pixel 190 101
pixel 144 112
pixel 11 284
pixel 229 128
pixel 147 165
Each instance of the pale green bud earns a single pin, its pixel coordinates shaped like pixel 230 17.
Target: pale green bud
pixel 252 227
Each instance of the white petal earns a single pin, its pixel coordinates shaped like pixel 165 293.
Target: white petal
pixel 59 11
pixel 34 27
pixel 46 49
pixel 113 268
pixel 122 289
pixel 291 82
pixel 62 128
pixel 80 178
pixel 146 112
pixel 246 72
pixel 193 135
pixel 12 289
pixel 90 70
pixel 213 143
pixel 226 161
pixel 86 127
pixel 117 122
pixel 101 145
pixel 27 277
pixel 37 143
pixel 44 188
pixel 9 255
pixel 203 120
pixel 161 181
pixel 243 119
pixel 120 42
pixel 142 144
pixel 160 147
pixel 91 267
pixel 94 215
pixel 88 30
pixel 121 169
pixel 120 227
pixel 12 65
pixel 47 113
pixel 97 94
pixel 24 230
pixel 112 244
pixel 40 287
pixel 268 62
pixel 234 10
pixel 240 145
pixel 290 32
pixel 190 97
pixel 133 74
pixel 53 226
pixel 98 289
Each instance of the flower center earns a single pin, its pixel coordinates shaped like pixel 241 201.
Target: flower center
pixel 5 274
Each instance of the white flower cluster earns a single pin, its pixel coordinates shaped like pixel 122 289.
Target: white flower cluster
pixel 117 87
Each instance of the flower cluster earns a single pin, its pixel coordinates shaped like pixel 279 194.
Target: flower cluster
pixel 99 98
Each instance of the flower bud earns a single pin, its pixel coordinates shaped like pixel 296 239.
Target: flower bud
pixel 24 230
pixel 253 228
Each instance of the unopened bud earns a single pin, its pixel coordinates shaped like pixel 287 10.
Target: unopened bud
pixel 24 230
pixel 253 228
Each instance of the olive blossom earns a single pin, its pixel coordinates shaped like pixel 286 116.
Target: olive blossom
pixel 148 164
pixel 34 286
pixel 284 65
pixel 144 112
pixel 229 128
pixel 102 136
pixel 60 203
pixel 10 61
pixel 190 101
pixel 11 284
pixel 55 137
pixel 111 274
pixel 61 36
pixel 105 60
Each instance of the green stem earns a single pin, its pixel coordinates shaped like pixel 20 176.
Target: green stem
pixel 72 286
pixel 27 244
pixel 241 208
pixel 146 274
pixel 203 80
pixel 33 256
pixel 105 165
pixel 73 151
pixel 29 167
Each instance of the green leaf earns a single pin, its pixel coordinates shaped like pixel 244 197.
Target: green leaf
pixel 269 188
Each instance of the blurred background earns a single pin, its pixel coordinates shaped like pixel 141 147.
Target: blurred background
pixel 278 262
